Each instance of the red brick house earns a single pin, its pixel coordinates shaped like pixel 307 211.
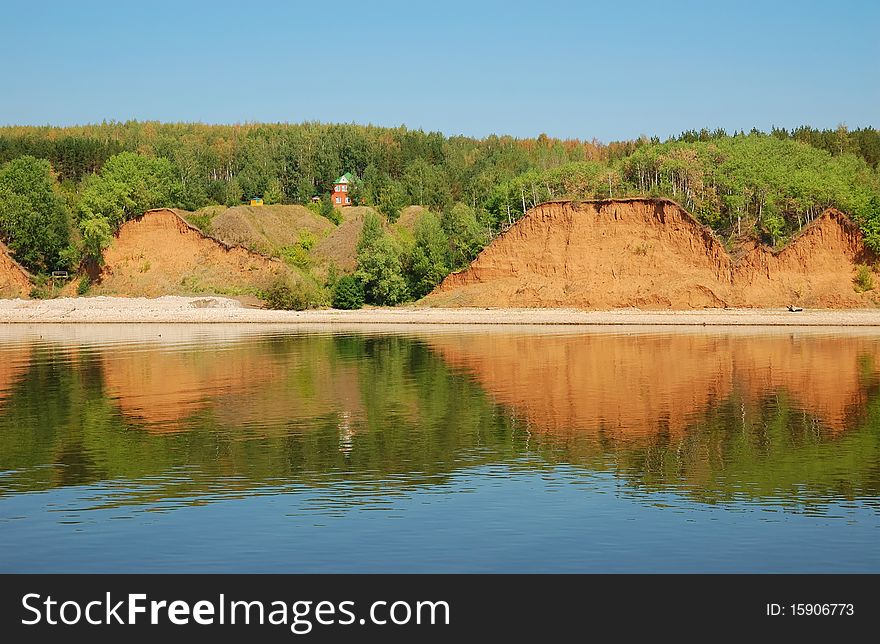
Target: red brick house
pixel 341 188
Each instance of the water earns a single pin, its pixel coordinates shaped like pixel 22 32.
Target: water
pixel 243 448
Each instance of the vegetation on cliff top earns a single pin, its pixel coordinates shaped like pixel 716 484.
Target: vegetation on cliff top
pixel 63 191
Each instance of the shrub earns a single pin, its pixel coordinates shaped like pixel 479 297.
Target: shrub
pixel 201 220
pixel 298 254
pixel 84 285
pixel 348 293
pixel 864 280
pixel 327 210
pixel 41 288
pixel 283 296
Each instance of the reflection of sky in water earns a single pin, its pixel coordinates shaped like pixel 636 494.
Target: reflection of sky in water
pixel 439 451
pixel 490 518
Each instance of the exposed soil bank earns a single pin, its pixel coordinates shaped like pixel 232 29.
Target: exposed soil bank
pixel 161 254
pixel 14 280
pixel 652 254
pixel 173 309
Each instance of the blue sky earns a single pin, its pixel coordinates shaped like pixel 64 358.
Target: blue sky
pixel 609 70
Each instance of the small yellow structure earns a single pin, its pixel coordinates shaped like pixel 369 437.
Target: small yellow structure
pixel 256 201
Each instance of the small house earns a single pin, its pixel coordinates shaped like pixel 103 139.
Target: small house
pixel 316 199
pixel 341 189
pixel 256 201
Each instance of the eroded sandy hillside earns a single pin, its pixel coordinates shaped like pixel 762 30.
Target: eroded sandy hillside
pixel 161 254
pixel 652 254
pixel 14 281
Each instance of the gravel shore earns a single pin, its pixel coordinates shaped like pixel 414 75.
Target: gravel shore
pixel 209 309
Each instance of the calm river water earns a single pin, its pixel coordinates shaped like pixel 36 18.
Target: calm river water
pixel 217 448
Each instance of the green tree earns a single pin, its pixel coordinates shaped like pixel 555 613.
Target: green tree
pixel 466 236
pixel 34 220
pixel 429 264
pixel 869 219
pixel 380 269
pixel 328 210
pixel 128 185
pixel 392 199
pixel 274 192
pixel 233 193
pixel 96 236
pixel 371 231
pixel 348 293
pixel 427 184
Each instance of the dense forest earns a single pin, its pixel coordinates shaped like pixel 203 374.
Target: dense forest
pixel 64 190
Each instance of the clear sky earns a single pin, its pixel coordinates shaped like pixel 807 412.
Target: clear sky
pixel 611 70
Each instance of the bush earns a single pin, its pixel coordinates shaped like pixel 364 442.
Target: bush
pixel 283 296
pixel 380 271
pixel 84 285
pixel 348 293
pixel 40 290
pixel 96 236
pixel 201 220
pixel 864 280
pixel 298 254
pixel 327 210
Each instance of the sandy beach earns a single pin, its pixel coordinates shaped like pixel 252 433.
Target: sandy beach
pixel 219 310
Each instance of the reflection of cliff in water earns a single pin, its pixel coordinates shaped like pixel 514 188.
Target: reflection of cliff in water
pixel 716 415
pixel 272 410
pixel 639 386
pixel 14 361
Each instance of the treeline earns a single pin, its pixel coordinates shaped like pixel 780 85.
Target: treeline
pixel 863 142
pixel 220 164
pixel 741 186
pixel 63 191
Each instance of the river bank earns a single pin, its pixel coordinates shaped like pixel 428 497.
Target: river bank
pixel 208 310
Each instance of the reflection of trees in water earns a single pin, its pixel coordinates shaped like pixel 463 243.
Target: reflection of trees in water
pixel 370 415
pixel 764 448
pixel 403 418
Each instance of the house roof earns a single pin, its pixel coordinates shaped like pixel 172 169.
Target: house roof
pixel 346 178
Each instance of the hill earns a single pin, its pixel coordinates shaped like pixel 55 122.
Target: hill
pixel 652 254
pixel 408 219
pixel 271 229
pixel 267 229
pixel 339 247
pixel 161 254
